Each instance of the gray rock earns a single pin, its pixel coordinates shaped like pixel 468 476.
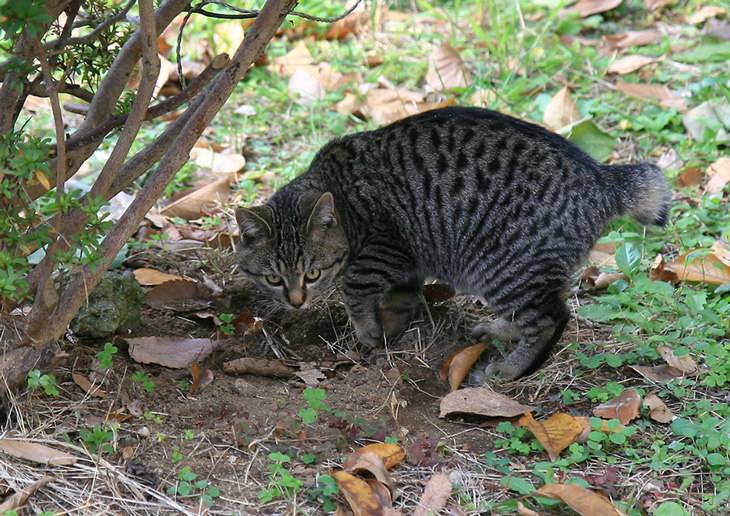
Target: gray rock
pixel 113 306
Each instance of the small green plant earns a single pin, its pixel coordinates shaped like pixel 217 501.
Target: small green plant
pixel 187 486
pixel 150 416
pixel 227 328
pixel 147 384
pixel 176 456
pixel 314 398
pixel 520 441
pixel 106 355
pixel 96 440
pixel 325 487
pixel 47 381
pixel 281 483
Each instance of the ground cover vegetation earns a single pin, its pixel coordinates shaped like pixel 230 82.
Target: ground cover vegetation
pixel 218 403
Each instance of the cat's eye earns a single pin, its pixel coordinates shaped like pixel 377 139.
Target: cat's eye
pixel 274 279
pixel 312 275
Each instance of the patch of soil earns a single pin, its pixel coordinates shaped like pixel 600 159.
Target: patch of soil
pixel 225 431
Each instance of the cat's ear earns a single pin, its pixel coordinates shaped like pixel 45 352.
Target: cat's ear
pixel 254 224
pixel 323 216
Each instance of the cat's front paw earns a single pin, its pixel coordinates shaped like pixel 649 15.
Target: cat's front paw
pixel 368 332
pixel 503 370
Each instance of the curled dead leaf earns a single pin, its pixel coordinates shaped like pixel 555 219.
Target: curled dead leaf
pixel 458 364
pixel 88 386
pixel 684 363
pixel 36 452
pixel 446 70
pixel 390 454
pixel 658 410
pixel 435 495
pixel 561 110
pixel 174 352
pixel 201 377
pixel 359 494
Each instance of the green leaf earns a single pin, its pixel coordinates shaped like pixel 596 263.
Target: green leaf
pixel 705 53
pixel 518 484
pixel 592 140
pixel 628 259
pixel 671 509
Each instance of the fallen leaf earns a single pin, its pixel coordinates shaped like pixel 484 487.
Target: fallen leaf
pixel 306 85
pixel 446 70
pixel 205 199
pixel 361 497
pixel 706 115
pixel 589 7
pixel 19 499
pixel 664 95
pixel 260 367
pixel 708 269
pixel 36 452
pixel 385 105
pixel 584 501
pixel 174 352
pixel 555 433
pixel 218 162
pixel 705 12
pixel 634 38
pixel 372 464
pixel 594 279
pixel 523 510
pixel 629 64
pixel 658 410
pixel 458 364
pixel 684 363
pixel 660 373
pixel 670 160
pixel 154 277
pixel 481 401
pixel 719 173
pixel 718 29
pixel 312 377
pixel 561 110
pixel 690 176
pixel 659 272
pixel 177 292
pixel 201 377
pixel 435 495
pixel 603 255
pixel 87 386
pixel 390 454
pixel 299 56
pixel 623 407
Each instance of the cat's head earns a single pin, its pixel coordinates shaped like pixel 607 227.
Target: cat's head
pixel 295 253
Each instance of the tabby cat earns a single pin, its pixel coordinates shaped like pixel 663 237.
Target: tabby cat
pixel 497 207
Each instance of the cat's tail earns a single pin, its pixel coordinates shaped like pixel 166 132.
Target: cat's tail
pixel 644 192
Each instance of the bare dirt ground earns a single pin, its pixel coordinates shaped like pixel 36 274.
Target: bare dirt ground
pixel 225 431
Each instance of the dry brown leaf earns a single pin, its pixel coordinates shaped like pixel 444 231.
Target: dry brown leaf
pixel 446 70
pixel 555 433
pixel 176 293
pixel 664 95
pixel 201 377
pixel 298 56
pixel 19 499
pixel 719 173
pixel 623 407
pixel 603 254
pixel 390 454
pixel 174 352
pixel 36 452
pixel 481 401
pixel 435 495
pixel 708 269
pixel 523 510
pixel 561 110
pixel 218 162
pixel 634 38
pixel 589 7
pixel 690 176
pixel 658 409
pixel 705 12
pixel 87 386
pixel 684 364
pixel 594 279
pixel 260 367
pixel 660 373
pixel 459 363
pixel 203 200
pixel 154 277
pixel 386 105
pixel 628 64
pixel 361 497
pixel 584 501
pixel 659 272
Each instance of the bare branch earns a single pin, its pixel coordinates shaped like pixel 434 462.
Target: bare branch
pixel 88 38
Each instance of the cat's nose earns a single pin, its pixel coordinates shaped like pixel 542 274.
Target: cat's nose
pixel 296 298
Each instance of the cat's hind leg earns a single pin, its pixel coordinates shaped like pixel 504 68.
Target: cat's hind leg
pixel 539 327
pixel 504 330
pixel 398 306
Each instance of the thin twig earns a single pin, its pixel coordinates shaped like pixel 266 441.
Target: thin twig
pixel 91 36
